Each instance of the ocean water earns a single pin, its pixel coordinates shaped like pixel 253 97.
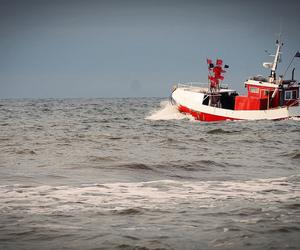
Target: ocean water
pixel 133 173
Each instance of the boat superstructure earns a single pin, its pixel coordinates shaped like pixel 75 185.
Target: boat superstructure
pixel 269 97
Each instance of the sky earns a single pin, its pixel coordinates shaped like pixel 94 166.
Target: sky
pixel 71 49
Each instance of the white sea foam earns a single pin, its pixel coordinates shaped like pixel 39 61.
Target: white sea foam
pixel 163 194
pixel 295 118
pixel 167 111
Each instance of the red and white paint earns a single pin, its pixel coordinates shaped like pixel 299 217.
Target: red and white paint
pixel 190 102
pixel 269 98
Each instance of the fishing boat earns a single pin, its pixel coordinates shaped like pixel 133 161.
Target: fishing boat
pixel 271 98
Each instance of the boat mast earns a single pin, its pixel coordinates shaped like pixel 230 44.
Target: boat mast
pixel 215 77
pixel 279 44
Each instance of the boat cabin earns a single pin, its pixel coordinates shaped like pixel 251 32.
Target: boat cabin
pixel 263 94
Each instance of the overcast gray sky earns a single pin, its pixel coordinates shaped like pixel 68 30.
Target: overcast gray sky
pixel 136 48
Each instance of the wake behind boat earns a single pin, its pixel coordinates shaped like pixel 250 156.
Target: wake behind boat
pixel 271 97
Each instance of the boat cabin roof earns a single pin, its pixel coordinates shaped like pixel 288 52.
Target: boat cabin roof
pixel 259 78
pixel 261 83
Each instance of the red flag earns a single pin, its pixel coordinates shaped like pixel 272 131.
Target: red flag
pixel 219 62
pixel 208 61
pixel 217 71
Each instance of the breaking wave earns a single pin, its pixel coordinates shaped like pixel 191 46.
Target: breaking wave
pixel 295 118
pixel 136 197
pixel 167 111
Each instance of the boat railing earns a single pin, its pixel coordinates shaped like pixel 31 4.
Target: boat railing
pixel 199 85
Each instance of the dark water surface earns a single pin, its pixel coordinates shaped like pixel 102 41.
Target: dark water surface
pixel 95 174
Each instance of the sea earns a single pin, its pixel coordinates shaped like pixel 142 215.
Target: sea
pixel 134 173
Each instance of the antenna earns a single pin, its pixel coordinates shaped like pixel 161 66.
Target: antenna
pixel 280 26
pixel 277 56
pixel 291 61
pixel 279 34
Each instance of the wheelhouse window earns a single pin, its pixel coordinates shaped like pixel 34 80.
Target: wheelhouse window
pixel 295 94
pixel 254 90
pixel 290 95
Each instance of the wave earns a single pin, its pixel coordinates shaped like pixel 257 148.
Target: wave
pixel 136 166
pixel 100 159
pixel 167 111
pixel 170 168
pixel 137 197
pixel 26 151
pixel 222 131
pixel 295 154
pixel 295 118
pixel 128 211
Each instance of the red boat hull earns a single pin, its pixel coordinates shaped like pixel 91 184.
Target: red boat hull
pixel 201 116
